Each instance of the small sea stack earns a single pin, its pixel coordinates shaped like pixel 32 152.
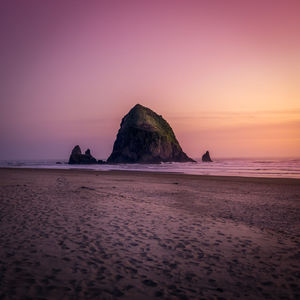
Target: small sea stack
pixel 77 157
pixel 206 157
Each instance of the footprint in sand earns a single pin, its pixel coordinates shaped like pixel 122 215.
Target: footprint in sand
pixel 149 282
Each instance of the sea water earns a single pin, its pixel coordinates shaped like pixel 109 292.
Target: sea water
pixel 278 168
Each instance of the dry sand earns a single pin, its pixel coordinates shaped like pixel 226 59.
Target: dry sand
pixel 71 234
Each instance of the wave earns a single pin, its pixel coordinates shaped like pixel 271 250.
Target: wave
pixel 289 168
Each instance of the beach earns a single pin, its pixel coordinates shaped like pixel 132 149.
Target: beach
pixel 82 234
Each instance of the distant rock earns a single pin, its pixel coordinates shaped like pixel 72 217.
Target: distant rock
pixel 77 157
pixel 145 137
pixel 89 157
pixel 206 157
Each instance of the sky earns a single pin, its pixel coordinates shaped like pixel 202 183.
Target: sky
pixel 224 74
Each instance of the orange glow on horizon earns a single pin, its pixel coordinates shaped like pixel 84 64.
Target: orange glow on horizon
pixel 225 76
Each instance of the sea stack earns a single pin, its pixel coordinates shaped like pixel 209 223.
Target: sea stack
pixel 145 137
pixel 77 157
pixel 206 157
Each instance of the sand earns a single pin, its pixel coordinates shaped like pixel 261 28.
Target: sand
pixel 75 234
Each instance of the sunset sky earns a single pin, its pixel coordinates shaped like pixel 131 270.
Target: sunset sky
pixel 224 74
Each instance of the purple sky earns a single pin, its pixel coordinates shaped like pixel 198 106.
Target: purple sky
pixel 224 74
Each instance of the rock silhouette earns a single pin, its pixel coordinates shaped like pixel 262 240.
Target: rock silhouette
pixel 77 157
pixel 206 157
pixel 145 137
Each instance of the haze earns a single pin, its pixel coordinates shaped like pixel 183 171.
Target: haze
pixel 224 74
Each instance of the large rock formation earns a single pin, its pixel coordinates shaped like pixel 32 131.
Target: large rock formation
pixel 145 137
pixel 206 157
pixel 77 157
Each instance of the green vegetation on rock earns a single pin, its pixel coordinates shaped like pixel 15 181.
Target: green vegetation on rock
pixel 145 137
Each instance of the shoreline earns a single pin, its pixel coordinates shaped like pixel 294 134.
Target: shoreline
pixel 83 234
pixel 151 173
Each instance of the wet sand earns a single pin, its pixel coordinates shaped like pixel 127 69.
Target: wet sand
pixel 75 234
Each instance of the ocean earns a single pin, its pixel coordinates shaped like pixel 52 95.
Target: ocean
pixel 274 168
